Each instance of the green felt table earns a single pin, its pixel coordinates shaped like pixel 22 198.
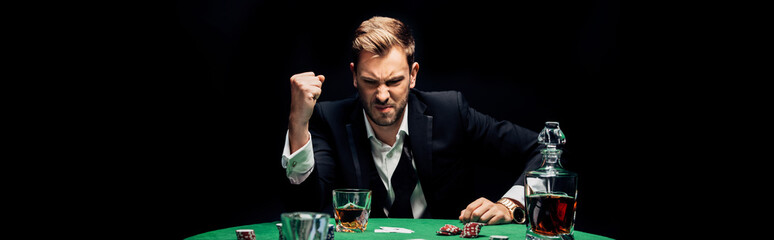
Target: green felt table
pixel 423 229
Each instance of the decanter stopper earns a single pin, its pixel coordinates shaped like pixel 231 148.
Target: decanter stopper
pixel 551 135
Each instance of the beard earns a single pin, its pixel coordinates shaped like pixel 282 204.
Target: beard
pixel 385 119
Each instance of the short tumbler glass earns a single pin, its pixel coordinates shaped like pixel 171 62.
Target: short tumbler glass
pixel 351 209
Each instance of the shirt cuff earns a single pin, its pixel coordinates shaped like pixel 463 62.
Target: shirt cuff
pixel 516 193
pixel 298 165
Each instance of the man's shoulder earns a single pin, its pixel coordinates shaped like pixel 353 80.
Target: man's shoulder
pixel 438 99
pixel 436 96
pixel 336 110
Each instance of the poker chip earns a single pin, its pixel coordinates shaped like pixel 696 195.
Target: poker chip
pixel 279 228
pixel 331 230
pixel 498 237
pixel 245 234
pixel 471 230
pixel 449 230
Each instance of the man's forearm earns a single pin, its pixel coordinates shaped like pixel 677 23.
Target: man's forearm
pixel 298 135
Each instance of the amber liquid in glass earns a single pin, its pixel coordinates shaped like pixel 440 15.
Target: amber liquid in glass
pixel 551 214
pixel 352 217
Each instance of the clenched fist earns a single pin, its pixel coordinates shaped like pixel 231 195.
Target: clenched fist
pixel 305 89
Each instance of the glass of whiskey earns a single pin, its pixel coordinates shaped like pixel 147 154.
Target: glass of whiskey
pixel 351 209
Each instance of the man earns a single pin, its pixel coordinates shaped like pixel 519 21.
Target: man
pixel 413 149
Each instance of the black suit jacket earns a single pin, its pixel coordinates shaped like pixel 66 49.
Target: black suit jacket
pixel 450 142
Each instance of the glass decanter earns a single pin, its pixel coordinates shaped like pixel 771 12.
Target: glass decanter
pixel 550 191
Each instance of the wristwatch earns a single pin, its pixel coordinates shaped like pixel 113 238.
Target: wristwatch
pixel 517 210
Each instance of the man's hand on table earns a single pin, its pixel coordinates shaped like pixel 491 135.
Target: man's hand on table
pixel 483 210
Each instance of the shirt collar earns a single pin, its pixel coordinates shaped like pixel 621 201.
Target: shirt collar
pixel 403 126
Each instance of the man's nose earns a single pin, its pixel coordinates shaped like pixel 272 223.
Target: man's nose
pixel 383 94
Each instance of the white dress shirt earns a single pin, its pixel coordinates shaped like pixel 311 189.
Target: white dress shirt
pixel 387 157
pixel 299 165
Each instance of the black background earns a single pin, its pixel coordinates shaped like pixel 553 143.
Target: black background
pixel 202 94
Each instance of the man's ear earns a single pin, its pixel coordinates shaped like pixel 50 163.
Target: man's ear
pixel 414 72
pixel 354 74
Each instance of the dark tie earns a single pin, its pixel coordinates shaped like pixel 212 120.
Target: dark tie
pixel 403 180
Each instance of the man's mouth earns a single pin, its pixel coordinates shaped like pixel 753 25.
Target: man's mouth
pixel 383 108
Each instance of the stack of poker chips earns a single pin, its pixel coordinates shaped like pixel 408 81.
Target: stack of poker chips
pixel 449 230
pixel 471 230
pixel 245 234
pixel 331 230
pixel 279 228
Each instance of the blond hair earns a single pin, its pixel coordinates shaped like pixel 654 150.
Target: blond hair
pixel 379 34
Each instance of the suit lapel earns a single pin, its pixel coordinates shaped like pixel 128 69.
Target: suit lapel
pixel 359 147
pixel 365 169
pixel 421 134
